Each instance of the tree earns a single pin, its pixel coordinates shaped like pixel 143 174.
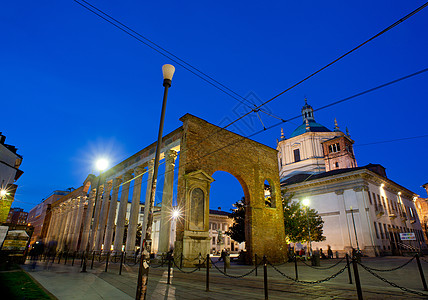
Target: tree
pixel 296 220
pixel 237 230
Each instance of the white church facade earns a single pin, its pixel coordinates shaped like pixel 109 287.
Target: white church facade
pixel 361 208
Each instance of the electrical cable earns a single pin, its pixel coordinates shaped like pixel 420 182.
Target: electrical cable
pixel 175 58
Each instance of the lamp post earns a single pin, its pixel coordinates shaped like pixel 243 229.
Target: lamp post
pixel 306 204
pixel 143 271
pixel 355 229
pixel 101 165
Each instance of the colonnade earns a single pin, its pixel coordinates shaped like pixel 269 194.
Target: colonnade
pixel 82 221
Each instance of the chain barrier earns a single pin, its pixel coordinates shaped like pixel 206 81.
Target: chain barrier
pixel 102 258
pixel 421 258
pixel 392 283
pixel 161 265
pixel 392 269
pixel 132 263
pixel 115 258
pixel 181 270
pixel 234 276
pixel 324 268
pixel 310 282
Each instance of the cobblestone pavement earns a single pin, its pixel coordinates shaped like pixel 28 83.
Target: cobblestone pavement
pixel 66 282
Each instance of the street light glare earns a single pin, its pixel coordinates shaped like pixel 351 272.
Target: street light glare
pixel 175 214
pixel 102 164
pixel 3 193
pixel 305 202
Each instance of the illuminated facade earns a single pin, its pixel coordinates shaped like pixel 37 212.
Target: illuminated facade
pixel 360 206
pixel 10 161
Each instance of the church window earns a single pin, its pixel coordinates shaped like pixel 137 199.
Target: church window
pixel 330 148
pixel 296 155
pixel 337 165
pixel 375 227
pixel 370 198
pixel 386 231
pixel 381 231
pixel 338 146
pixel 306 114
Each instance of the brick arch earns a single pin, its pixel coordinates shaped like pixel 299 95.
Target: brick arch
pixel 205 149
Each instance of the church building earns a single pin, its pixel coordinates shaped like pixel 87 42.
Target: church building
pixel 360 206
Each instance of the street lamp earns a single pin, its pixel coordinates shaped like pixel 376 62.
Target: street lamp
pixel 3 193
pixel 305 202
pixel 101 164
pixel 355 229
pixel 143 271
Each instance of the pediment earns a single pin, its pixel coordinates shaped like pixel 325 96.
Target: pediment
pixel 199 175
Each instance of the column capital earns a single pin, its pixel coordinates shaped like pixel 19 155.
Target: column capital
pixel 127 176
pixel 108 185
pixel 139 170
pixel 151 164
pixel 170 156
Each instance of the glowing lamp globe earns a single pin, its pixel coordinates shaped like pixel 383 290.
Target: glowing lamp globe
pixel 305 202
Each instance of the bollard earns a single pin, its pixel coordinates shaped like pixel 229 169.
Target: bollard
pixel 66 256
pixel 421 272
pixel 349 268
pixel 121 262
pixel 208 274
pixel 93 257
pixel 295 267
pixel 357 278
pixel 74 256
pixel 255 262
pixel 169 267
pixel 59 257
pixel 181 261
pixel 199 264
pixel 107 259
pixel 265 276
pixel 82 258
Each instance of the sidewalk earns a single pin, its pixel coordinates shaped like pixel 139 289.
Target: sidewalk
pixel 66 282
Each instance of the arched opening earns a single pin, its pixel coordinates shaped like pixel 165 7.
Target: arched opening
pixel 227 199
pixel 269 194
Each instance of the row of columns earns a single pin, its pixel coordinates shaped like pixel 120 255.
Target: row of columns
pixel 69 224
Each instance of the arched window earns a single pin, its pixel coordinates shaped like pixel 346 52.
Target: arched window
pixel 269 195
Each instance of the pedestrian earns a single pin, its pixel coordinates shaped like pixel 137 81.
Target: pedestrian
pixel 329 252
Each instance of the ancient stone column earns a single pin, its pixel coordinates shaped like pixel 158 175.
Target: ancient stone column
pixel 112 215
pixel 69 239
pixel 150 166
pixel 57 224
pixel 67 216
pixel 121 214
pixel 103 216
pixel 135 210
pixel 165 225
pixel 78 223
pixel 88 220
pixel 97 206
pixel 52 225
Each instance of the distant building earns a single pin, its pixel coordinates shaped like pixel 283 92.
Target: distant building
pixel 422 210
pixel 360 206
pixel 10 162
pixel 39 216
pixel 219 224
pixel 17 216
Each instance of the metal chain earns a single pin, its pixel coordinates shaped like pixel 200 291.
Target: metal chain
pixel 324 268
pixel 310 282
pixel 392 283
pixel 115 258
pixel 181 270
pixel 392 269
pixel 233 276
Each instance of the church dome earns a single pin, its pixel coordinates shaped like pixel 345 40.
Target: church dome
pixel 313 127
pixel 309 124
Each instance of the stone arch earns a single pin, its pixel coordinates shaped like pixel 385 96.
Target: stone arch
pixel 205 149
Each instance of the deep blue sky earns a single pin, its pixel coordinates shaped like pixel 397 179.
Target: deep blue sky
pixel 72 86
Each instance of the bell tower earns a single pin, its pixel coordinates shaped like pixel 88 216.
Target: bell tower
pixel 338 151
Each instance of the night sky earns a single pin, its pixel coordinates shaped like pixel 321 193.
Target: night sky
pixel 73 87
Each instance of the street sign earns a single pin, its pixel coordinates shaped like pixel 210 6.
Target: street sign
pixel 407 236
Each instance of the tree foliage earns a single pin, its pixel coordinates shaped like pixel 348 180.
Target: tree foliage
pixel 296 219
pixel 237 230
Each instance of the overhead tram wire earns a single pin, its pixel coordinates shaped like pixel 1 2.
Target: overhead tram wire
pixel 258 108
pixel 299 116
pixel 336 60
pixel 172 57
pixel 393 140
